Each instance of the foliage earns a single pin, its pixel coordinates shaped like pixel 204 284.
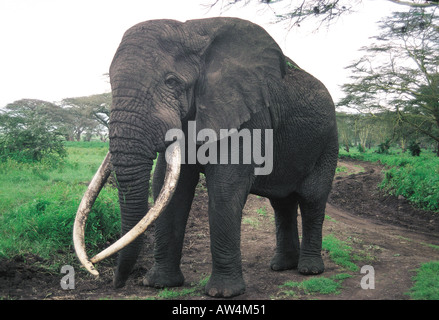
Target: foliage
pixel 384 147
pixel 44 225
pixel 380 129
pixel 38 216
pixel 88 115
pixel 415 148
pixel 73 119
pixel 415 178
pixel 400 72
pixel 418 183
pixel 27 133
pixel 426 282
pixel 323 12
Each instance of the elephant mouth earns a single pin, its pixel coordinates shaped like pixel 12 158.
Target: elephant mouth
pixel 99 179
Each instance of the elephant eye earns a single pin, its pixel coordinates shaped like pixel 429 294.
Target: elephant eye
pixel 171 82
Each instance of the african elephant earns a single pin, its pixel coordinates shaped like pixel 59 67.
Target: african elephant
pixel 218 74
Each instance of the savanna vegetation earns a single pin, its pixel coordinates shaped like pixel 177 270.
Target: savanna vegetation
pixel 390 114
pixel 39 200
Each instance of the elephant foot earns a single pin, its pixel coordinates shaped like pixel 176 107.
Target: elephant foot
pixel 159 279
pixel 219 287
pixel 311 265
pixel 119 280
pixel 121 274
pixel 284 261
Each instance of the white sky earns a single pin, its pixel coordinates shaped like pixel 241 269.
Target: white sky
pixel 55 49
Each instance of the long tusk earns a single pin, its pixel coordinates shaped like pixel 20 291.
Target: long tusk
pixel 169 185
pixel 84 208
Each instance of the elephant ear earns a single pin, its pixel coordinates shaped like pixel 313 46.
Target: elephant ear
pixel 238 59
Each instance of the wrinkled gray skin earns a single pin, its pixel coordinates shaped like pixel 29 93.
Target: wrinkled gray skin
pixel 223 73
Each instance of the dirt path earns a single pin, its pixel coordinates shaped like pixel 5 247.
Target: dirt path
pixel 383 232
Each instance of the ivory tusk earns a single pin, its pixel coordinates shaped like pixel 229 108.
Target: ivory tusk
pixel 84 208
pixel 169 185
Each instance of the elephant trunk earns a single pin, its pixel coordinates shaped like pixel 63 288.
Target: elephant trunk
pixel 133 185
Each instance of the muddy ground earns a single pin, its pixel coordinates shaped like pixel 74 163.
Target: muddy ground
pixel 383 231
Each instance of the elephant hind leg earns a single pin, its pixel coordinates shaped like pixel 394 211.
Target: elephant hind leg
pixel 310 261
pixel 313 195
pixel 287 237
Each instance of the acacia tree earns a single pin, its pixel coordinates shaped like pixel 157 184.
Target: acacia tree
pixel 400 72
pixel 325 12
pixel 345 132
pixel 97 106
pixel 89 115
pixel 30 131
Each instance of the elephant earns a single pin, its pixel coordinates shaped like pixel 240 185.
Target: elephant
pixel 213 74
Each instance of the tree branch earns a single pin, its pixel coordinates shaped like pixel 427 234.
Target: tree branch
pixel 417 127
pixel 415 4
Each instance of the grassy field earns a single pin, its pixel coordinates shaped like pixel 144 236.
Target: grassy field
pixel 415 178
pixel 38 204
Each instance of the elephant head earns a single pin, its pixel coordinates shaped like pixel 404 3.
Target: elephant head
pixel 214 71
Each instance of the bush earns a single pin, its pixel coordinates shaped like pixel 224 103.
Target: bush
pixel 417 182
pixel 415 178
pixel 383 148
pixel 28 136
pixel 415 149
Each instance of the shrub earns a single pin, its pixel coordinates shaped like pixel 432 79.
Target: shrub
pixel 384 147
pixel 415 149
pixel 29 138
pixel 415 178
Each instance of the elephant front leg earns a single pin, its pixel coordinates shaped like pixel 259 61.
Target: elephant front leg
pixel 228 193
pixel 170 228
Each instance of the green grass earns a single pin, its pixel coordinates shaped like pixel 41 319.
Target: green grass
pixel 38 204
pixel 341 169
pixel 177 293
pixel 251 221
pixel 317 285
pixel 262 211
pixel 339 252
pixel 20 181
pixel 415 178
pixel 436 247
pixel 426 282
